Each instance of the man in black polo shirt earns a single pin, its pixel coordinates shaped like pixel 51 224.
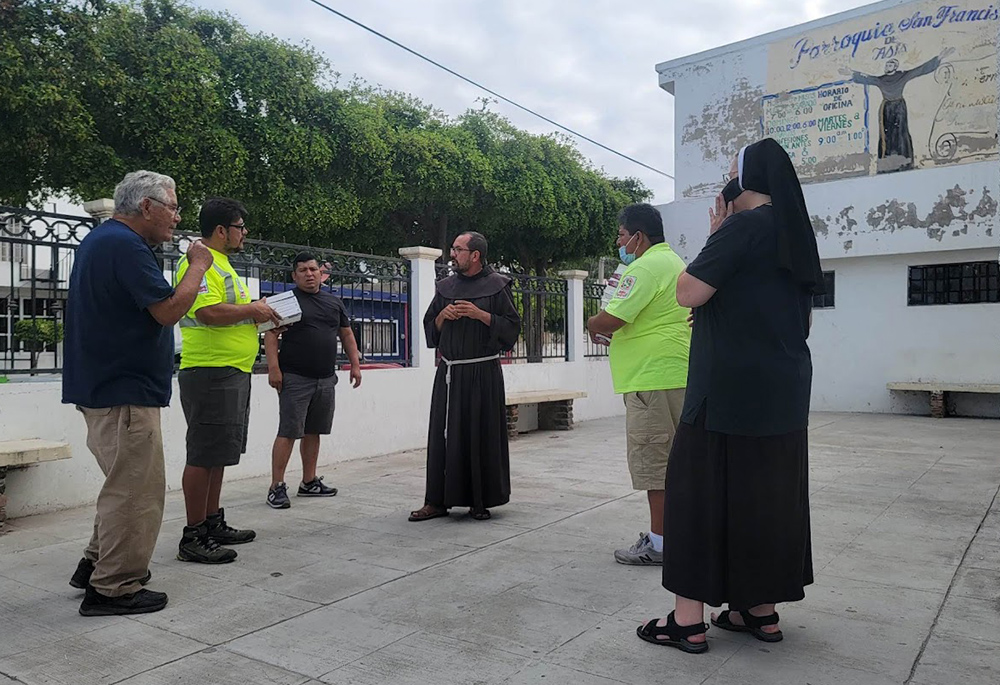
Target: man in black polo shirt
pixel 304 372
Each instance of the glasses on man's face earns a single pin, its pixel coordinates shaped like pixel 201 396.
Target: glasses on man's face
pixel 176 209
pixel 460 249
pixel 239 227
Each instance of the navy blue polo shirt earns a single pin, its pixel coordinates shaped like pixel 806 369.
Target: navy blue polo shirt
pixel 115 352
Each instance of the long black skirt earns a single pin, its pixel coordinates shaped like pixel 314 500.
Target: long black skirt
pixel 736 518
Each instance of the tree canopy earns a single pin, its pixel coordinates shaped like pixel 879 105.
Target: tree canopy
pixel 90 90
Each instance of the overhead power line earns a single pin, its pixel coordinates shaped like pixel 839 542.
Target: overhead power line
pixel 488 90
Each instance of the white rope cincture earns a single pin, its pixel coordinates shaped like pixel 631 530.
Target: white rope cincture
pixel 447 381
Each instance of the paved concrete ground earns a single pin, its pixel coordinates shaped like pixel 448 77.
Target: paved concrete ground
pixel 347 591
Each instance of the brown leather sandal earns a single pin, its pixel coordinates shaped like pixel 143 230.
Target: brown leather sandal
pixel 427 512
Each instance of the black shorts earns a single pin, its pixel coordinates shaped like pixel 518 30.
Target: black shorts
pixel 305 406
pixel 216 403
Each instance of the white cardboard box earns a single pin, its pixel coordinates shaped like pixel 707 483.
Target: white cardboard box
pixel 287 306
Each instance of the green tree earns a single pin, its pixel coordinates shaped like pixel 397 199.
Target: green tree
pixel 437 169
pixel 37 334
pixel 547 205
pixel 92 90
pixel 46 128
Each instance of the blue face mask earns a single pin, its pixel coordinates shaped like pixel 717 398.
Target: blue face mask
pixel 625 256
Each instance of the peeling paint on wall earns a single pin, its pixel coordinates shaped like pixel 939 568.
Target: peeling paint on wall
pixel 833 168
pixel 844 223
pixel 952 213
pixel 848 245
pixel 846 218
pixel 703 189
pixel 724 126
pixel 950 208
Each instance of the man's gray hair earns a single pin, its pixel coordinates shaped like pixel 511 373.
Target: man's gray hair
pixel 137 186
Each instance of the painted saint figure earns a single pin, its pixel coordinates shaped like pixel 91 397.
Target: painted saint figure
pixel 895 145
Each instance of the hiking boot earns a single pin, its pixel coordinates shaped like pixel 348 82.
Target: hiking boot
pixel 315 488
pixel 277 497
pixel 81 577
pixel 140 602
pixel 640 554
pixel 225 534
pixel 197 546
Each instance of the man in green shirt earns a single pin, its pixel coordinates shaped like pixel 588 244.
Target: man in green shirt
pixel 650 340
pixel 219 346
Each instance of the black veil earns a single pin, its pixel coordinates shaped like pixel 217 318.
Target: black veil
pixel 765 167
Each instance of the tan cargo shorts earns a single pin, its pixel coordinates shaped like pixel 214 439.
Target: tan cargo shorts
pixel 651 419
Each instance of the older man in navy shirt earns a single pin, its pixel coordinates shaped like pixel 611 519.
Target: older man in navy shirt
pixel 118 371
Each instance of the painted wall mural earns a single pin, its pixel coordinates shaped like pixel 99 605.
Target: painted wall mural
pixel 907 88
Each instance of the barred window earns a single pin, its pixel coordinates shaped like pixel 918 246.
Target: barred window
pixel 12 252
pixel 4 326
pixel 826 300
pixel 966 283
pixel 376 338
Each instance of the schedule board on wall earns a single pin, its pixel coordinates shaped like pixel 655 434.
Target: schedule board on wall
pixel 818 123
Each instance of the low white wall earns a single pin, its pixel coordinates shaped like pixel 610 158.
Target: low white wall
pixel 388 413
pixel 871 337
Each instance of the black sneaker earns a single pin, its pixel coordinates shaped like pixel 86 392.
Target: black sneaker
pixel 141 602
pixel 315 488
pixel 223 533
pixel 198 547
pixel 277 497
pixel 85 569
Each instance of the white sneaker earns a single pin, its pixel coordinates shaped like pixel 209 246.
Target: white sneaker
pixel 641 553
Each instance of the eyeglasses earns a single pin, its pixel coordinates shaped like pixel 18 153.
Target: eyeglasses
pixel 461 249
pixel 239 227
pixel 176 209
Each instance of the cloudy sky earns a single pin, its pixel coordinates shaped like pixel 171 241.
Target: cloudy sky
pixel 587 64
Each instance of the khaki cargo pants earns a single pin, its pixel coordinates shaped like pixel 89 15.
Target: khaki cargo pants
pixel 128 444
pixel 651 420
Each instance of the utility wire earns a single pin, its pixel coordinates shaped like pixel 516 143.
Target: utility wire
pixel 488 90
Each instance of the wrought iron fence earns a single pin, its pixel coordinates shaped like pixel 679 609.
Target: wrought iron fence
pixel 542 304
pixel 442 269
pixel 592 293
pixel 37 250
pixel 375 291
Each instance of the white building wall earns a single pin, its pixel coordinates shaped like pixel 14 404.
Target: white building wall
pixel 871 337
pixel 869 230
pixel 388 413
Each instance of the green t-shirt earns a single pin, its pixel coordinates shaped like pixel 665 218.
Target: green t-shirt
pixel 650 352
pixel 236 345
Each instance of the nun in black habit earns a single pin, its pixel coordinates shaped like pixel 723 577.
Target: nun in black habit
pixel 736 523
pixel 471 321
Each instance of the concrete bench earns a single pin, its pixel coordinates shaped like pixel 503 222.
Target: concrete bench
pixel 939 406
pixel 21 453
pixel 555 408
